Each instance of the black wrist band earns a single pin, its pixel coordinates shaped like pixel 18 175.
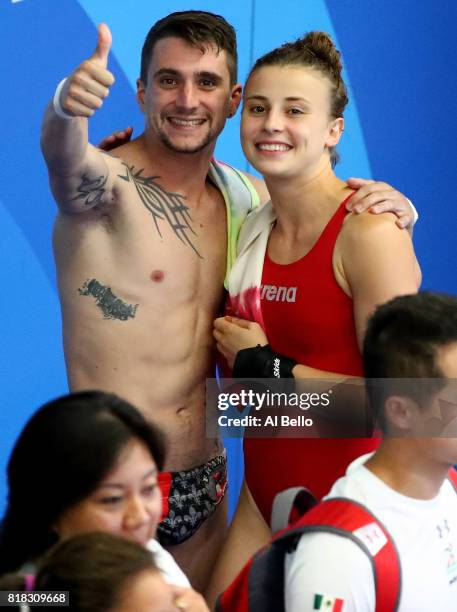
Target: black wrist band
pixel 262 362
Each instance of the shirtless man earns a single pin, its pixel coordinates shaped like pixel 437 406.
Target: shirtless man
pixel 141 249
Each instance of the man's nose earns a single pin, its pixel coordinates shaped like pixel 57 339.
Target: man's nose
pixel 187 97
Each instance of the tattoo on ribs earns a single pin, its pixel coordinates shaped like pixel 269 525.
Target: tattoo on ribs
pixel 111 306
pixel 163 205
pixel 91 190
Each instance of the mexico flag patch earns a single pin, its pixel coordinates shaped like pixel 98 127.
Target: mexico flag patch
pixel 327 603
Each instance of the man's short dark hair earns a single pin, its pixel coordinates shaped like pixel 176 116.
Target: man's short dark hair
pixel 198 28
pixel 401 342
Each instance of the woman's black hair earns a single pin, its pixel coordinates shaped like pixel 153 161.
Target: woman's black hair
pixel 67 447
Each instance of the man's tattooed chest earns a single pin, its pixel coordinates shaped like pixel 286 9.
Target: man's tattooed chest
pixel 167 209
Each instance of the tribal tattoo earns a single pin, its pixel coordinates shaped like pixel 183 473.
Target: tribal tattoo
pixel 111 306
pixel 91 190
pixel 163 205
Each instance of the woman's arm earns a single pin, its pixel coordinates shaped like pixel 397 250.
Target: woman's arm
pixel 233 335
pixel 374 262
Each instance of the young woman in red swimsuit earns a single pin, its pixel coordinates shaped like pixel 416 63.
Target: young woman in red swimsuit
pixel 316 272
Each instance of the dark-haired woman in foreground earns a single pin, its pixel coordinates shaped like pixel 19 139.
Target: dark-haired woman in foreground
pixel 84 462
pixel 308 273
pixel 103 572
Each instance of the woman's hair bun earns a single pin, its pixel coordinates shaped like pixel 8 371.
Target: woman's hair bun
pixel 322 47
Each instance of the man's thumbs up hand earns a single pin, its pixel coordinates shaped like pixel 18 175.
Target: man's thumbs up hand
pixel 87 87
pixel 103 48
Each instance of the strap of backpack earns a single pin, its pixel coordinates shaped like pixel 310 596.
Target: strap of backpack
pixel 289 506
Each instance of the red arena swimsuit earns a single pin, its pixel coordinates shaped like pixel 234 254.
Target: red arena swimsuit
pixel 308 317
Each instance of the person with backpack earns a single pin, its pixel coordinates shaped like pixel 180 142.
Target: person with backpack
pixel 385 538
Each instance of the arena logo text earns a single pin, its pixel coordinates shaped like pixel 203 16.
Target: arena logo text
pixel 278 294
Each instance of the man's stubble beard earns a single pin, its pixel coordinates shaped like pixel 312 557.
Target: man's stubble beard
pixel 184 149
pixel 209 139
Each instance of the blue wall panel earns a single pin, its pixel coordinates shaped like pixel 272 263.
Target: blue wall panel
pixel 403 61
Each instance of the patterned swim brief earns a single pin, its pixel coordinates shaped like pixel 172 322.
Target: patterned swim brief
pixel 189 498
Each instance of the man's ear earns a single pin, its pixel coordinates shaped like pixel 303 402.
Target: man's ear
pixel 140 91
pixel 235 99
pixel 336 129
pixel 401 414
